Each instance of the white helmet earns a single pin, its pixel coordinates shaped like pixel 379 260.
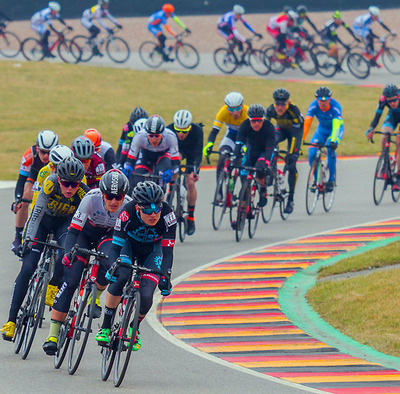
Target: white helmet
pixel 54 6
pixel 233 99
pixel 59 152
pixel 101 2
pixel 182 119
pixel 293 15
pixel 139 124
pixel 238 9
pixel 46 140
pixel 373 10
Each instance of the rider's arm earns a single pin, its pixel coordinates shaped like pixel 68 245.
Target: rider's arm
pixel 109 158
pixel 336 125
pixel 248 27
pixel 378 113
pixel 168 240
pixel 307 124
pixel 179 22
pixel 198 148
pixel 384 26
pixel 170 31
pixel 350 30
pixel 312 24
pixel 19 188
pixel 110 17
pixel 133 151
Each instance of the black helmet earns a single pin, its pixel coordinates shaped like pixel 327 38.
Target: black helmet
pixel 137 113
pixel 82 147
pixel 155 124
pixel 390 90
pixel 148 192
pixel 301 9
pixel 281 94
pixel 114 182
pixel 323 93
pixel 256 111
pixel 70 169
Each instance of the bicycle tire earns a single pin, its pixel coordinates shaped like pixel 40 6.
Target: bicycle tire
pixel 234 191
pixel 307 63
pixel 277 65
pixel 174 201
pixel 391 60
pixel 69 52
pixel 268 209
pixel 10 44
pixel 182 228
pixel 312 196
pixel 381 174
pixel 118 49
pixel 225 60
pixel 151 54
pixel 82 325
pixel 284 194
pixel 83 43
pixel 327 65
pixel 358 66
pixel 32 49
pixel 187 56
pixel 328 197
pixel 254 213
pixel 129 318
pixel 393 172
pixel 242 208
pixel 260 64
pixel 220 205
pixel 63 343
pixel 20 328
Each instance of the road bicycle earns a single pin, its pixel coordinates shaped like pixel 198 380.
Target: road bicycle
pixel 116 48
pixel 69 52
pixel 31 313
pixel 187 55
pixel 125 325
pixel 318 177
pixel 10 44
pixel 229 59
pixel 385 172
pixel 176 200
pixel 77 326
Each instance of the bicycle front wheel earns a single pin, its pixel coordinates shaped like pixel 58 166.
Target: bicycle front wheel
pixel 260 64
pixel 312 191
pixel 277 66
pixel 307 62
pixel 118 49
pixel 220 200
pixel 151 54
pixel 391 60
pixel 82 327
pixel 225 60
pixel 10 44
pixel 85 46
pixel 327 65
pixel 254 212
pixel 187 56
pixel 69 52
pixel 381 176
pixel 395 192
pixel 64 339
pixel 358 66
pixel 328 197
pixel 284 194
pixel 20 328
pixel 126 338
pixel 32 49
pixel 268 210
pixel 242 210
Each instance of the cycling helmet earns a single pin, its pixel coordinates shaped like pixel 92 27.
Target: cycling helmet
pixel 46 140
pixel 94 136
pixel 182 119
pixel 54 6
pixel 390 90
pixel 323 93
pixel 114 182
pixel 281 94
pixel 82 147
pixel 373 10
pixel 58 153
pixel 256 111
pixel 102 2
pixel 169 8
pixel 137 113
pixel 301 9
pixel 293 15
pixel 233 99
pixel 337 15
pixel 238 9
pixel 155 125
pixel 139 125
pixel 70 169
pixel 148 192
pixel 286 9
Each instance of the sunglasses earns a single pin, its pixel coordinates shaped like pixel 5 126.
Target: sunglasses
pixel 111 197
pixel 68 184
pixel 392 100
pixel 281 103
pixel 323 98
pixel 235 109
pixel 183 130
pixel 44 152
pixel 85 161
pixel 150 210
pixel 256 120
pixel 154 135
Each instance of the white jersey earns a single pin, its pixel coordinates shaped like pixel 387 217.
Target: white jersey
pixel 104 148
pixel 96 12
pixel 44 16
pixel 92 208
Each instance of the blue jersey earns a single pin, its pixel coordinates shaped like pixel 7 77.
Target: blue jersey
pixel 158 18
pixel 325 118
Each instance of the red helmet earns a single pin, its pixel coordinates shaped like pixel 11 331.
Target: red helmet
pixel 94 136
pixel 168 8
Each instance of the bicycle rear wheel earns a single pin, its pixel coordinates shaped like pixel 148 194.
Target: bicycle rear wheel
pixel 242 210
pixel 118 49
pixel 220 200
pixel 85 46
pixel 187 55
pixel 277 65
pixel 380 179
pixel 327 65
pixel 284 194
pixel 307 62
pixel 312 192
pixel 32 49
pixel 69 52
pixel 225 60
pixel 126 339
pixel 150 54
pixel 328 197
pixel 254 212
pixel 10 44
pixel 391 60
pixel 64 338
pixel 358 66
pixel 82 327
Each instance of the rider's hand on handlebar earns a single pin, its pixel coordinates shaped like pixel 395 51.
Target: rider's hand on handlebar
pixel 370 134
pixel 207 149
pixel 333 145
pixel 188 31
pixel 70 28
pixel 165 286
pixel 67 260
pixel 258 35
pixel 393 33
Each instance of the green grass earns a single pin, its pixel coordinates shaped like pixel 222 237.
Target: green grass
pixel 69 99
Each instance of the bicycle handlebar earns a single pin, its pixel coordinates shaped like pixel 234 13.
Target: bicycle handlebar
pixel 77 249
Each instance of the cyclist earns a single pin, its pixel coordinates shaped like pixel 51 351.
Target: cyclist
pixel 233 113
pixel 146 231
pixel 190 143
pixel 95 167
pixel 329 35
pixel 54 208
pixel 227 29
pixel 99 12
pixel 258 134
pixel 103 148
pixel 128 133
pixel 303 17
pixel 153 147
pixel 32 161
pixel 289 126
pixel 91 227
pixel 160 18
pixel 362 28
pixel 329 131
pixel 41 24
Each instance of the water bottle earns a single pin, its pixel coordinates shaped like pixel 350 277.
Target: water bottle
pixel 231 184
pixel 281 179
pixel 182 195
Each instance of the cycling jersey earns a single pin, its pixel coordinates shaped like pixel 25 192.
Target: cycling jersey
pixel 329 34
pixel 279 24
pixel 382 103
pixel 95 171
pixel 107 154
pixel 158 19
pixel 227 24
pixel 292 118
pixel 392 118
pixel 364 21
pixel 98 13
pixel 44 16
pixel 324 118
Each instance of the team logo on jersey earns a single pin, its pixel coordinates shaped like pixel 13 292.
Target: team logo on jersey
pixel 48 186
pixel 170 219
pixel 124 216
pixel 78 216
pixel 117 225
pixel 100 169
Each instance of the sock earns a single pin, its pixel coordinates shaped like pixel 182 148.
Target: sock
pixel 54 328
pixel 191 211
pixel 108 316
